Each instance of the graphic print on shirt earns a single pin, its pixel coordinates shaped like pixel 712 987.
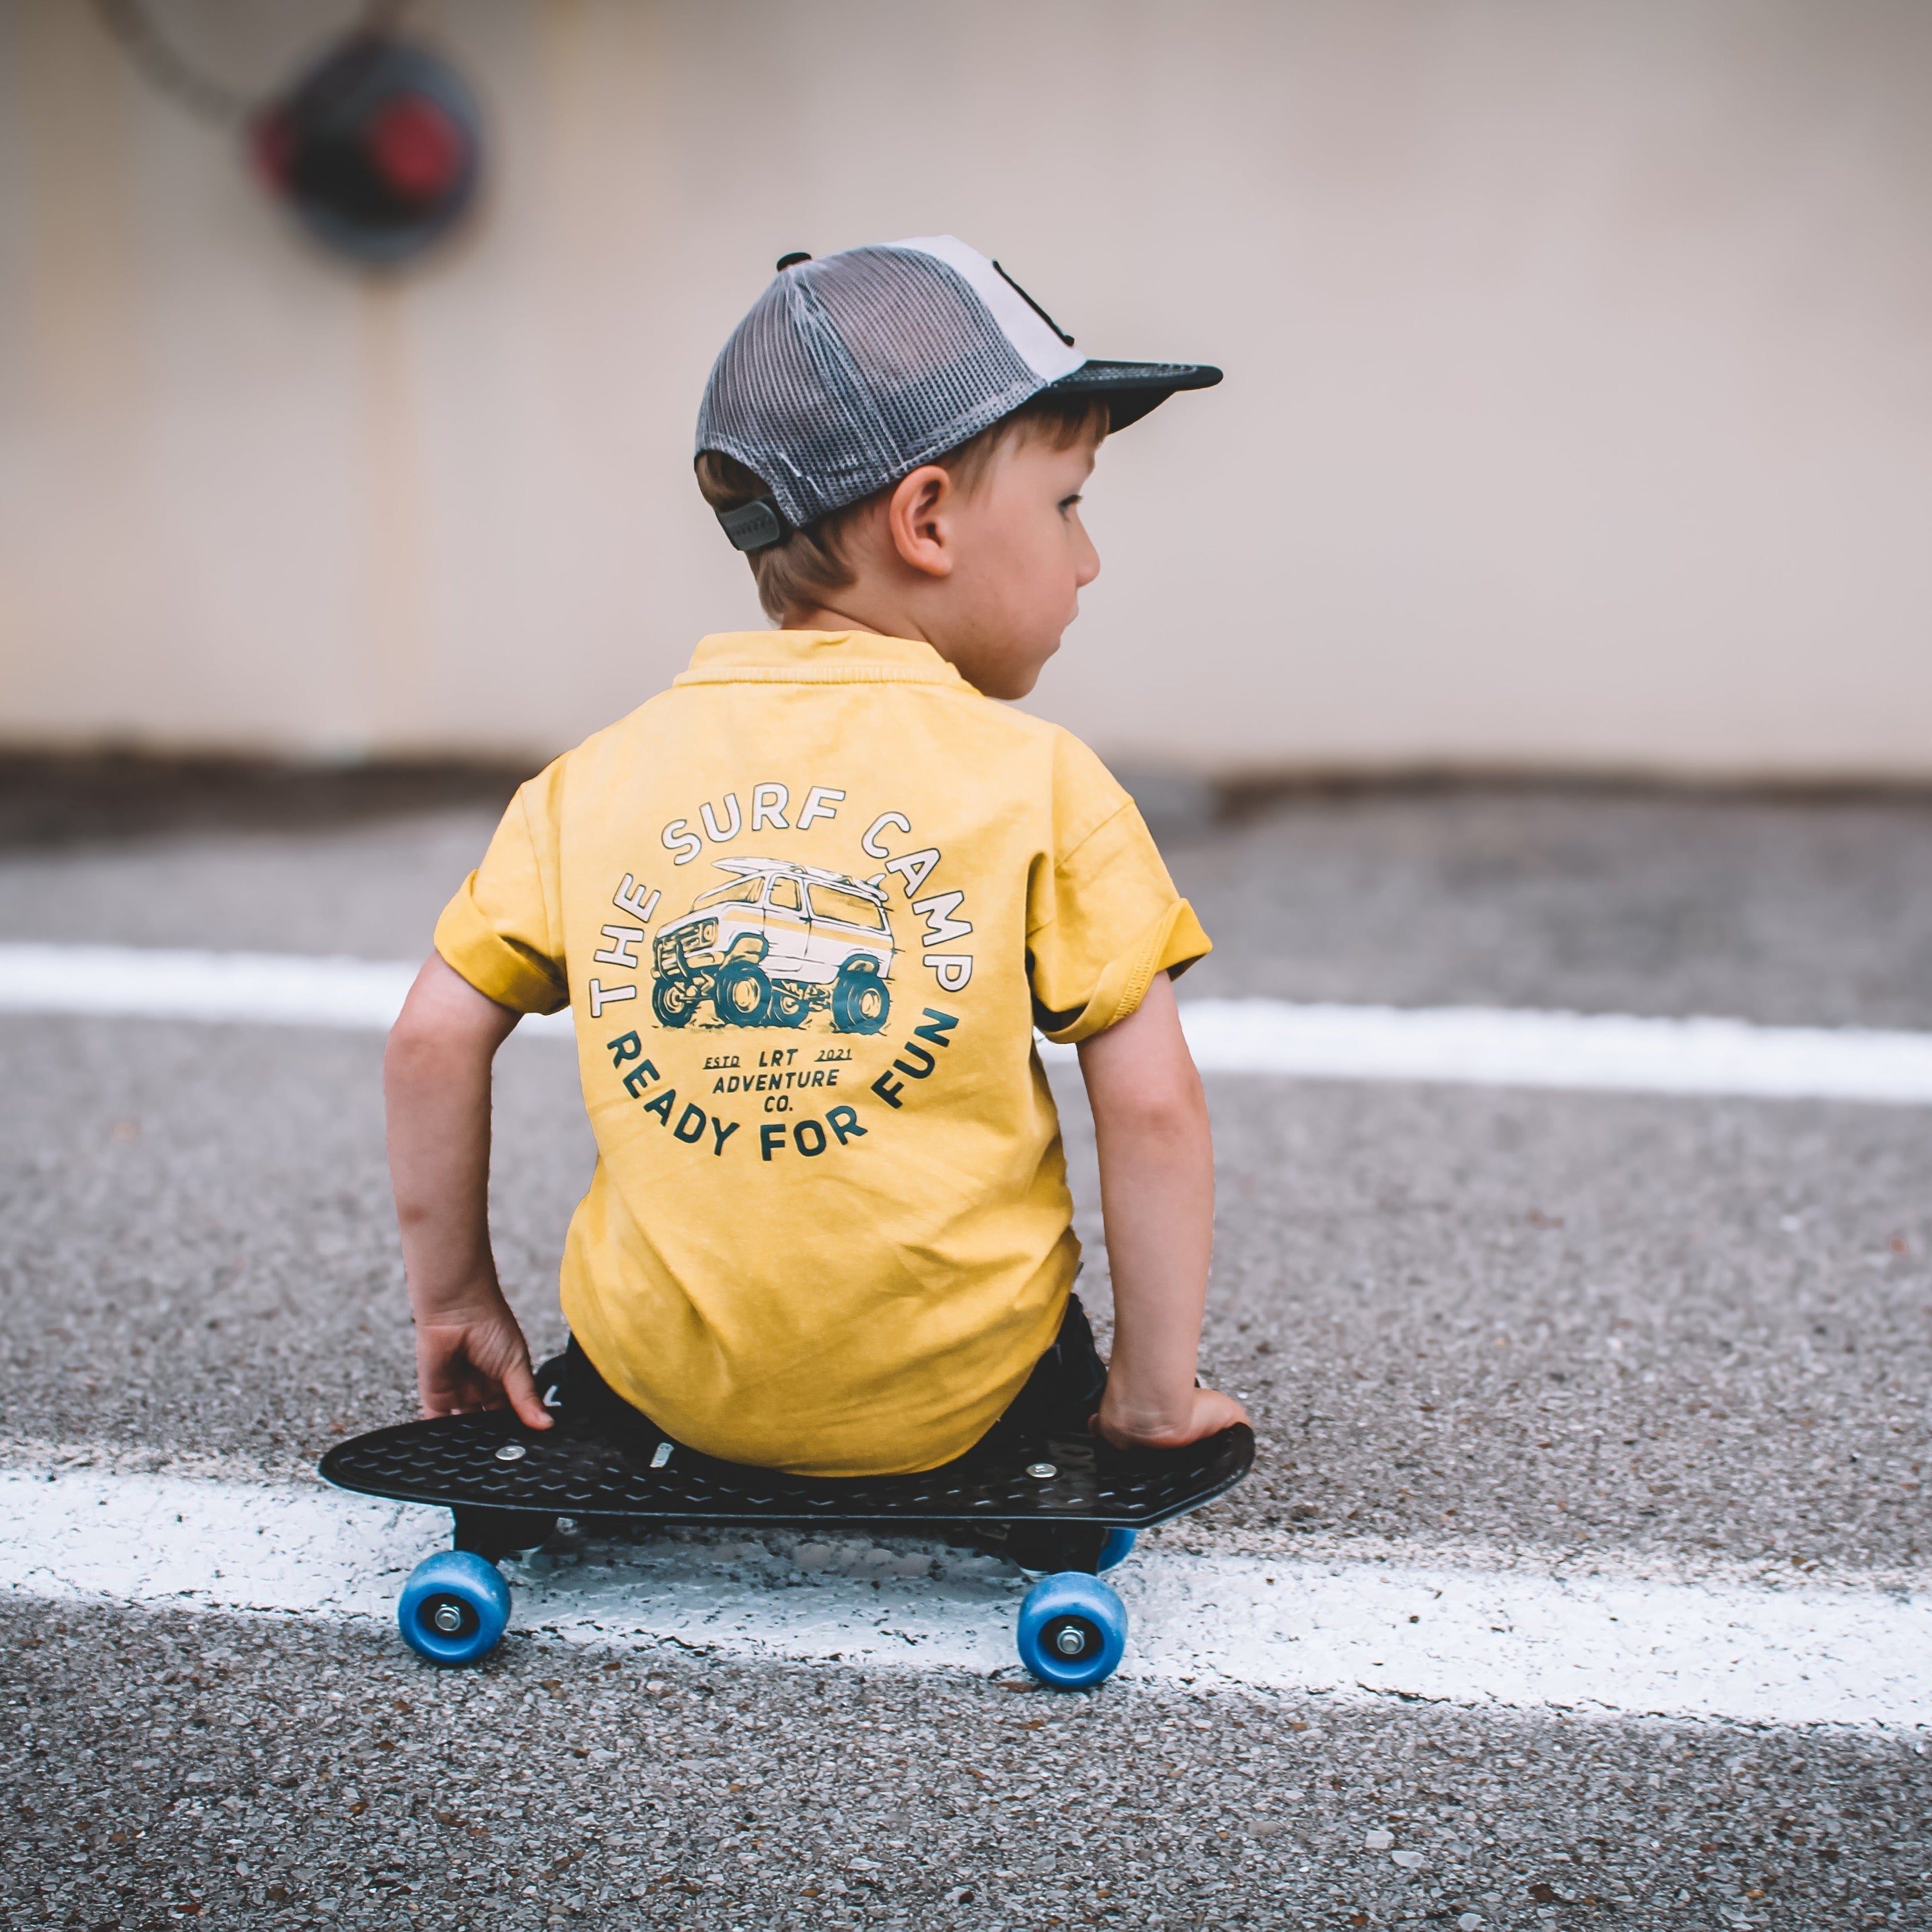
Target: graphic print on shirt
pixel 774 944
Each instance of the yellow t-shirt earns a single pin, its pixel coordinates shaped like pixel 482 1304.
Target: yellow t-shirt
pixel 807 908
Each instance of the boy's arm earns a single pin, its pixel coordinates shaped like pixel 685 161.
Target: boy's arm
pixel 470 1353
pixel 1157 1194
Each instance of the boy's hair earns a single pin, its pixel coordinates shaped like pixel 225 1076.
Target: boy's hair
pixel 810 564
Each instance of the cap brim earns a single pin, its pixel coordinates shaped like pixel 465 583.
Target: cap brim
pixel 1131 389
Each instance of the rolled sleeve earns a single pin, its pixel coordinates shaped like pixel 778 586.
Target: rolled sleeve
pixel 1104 917
pixel 500 931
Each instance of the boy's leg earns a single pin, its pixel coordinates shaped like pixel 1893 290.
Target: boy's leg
pixel 1061 1395
pixel 1059 1400
pixel 586 1400
pixel 1079 1375
pixel 549 1374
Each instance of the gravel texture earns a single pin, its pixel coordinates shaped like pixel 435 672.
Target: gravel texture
pixel 162 1768
pixel 1610 1323
pixel 370 892
pixel 1802 914
pixel 198 1256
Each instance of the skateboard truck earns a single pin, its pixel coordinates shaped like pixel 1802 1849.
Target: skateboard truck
pixel 493 1534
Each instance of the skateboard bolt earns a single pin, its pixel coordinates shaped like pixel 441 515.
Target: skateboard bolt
pixel 511 1452
pixel 1042 1471
pixel 1070 1642
pixel 447 1618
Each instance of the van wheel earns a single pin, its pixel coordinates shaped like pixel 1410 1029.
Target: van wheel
pixel 860 1002
pixel 673 1001
pixel 789 1006
pixel 741 995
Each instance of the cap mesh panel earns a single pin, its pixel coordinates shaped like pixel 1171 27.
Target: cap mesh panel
pixel 850 372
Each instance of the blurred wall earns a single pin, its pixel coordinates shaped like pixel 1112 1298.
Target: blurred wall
pixel 1578 412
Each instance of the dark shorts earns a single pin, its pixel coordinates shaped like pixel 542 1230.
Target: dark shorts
pixel 1063 1391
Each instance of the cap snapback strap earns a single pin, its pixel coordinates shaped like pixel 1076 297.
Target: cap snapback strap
pixel 757 525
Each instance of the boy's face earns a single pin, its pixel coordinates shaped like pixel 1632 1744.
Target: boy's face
pixel 1020 559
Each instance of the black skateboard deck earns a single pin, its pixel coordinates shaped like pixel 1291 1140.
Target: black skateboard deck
pixel 502 1479
pixel 1066 1506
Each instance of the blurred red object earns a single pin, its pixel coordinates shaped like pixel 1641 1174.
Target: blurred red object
pixel 419 150
pixel 377 148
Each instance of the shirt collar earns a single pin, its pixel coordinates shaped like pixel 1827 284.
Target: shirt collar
pixel 817 657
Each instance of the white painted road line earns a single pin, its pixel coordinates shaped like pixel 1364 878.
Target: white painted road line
pixel 1353 1631
pixel 1605 1052
pixel 271 988
pixel 1473 1045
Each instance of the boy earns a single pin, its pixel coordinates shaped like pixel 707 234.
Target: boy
pixel 807 906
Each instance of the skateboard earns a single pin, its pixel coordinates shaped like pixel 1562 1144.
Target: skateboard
pixel 1069 1508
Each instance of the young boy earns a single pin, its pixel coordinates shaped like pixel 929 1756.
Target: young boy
pixel 807 908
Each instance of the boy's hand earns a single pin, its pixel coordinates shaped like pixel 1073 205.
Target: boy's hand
pixel 480 1361
pixel 1129 1425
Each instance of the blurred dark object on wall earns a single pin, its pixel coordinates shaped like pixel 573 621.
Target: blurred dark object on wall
pixel 75 798
pixel 377 148
pixel 376 145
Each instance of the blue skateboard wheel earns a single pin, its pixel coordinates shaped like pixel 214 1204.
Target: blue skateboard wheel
pixel 1117 1548
pixel 1073 1630
pixel 454 1608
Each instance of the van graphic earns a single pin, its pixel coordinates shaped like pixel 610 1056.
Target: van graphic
pixel 773 945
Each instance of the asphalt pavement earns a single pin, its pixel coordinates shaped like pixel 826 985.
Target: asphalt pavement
pixel 236 1772
pixel 1806 913
pixel 1676 1338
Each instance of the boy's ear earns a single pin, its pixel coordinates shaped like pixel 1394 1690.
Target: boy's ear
pixel 917 516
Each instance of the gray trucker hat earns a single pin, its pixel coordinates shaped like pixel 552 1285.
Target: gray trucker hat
pixel 849 373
